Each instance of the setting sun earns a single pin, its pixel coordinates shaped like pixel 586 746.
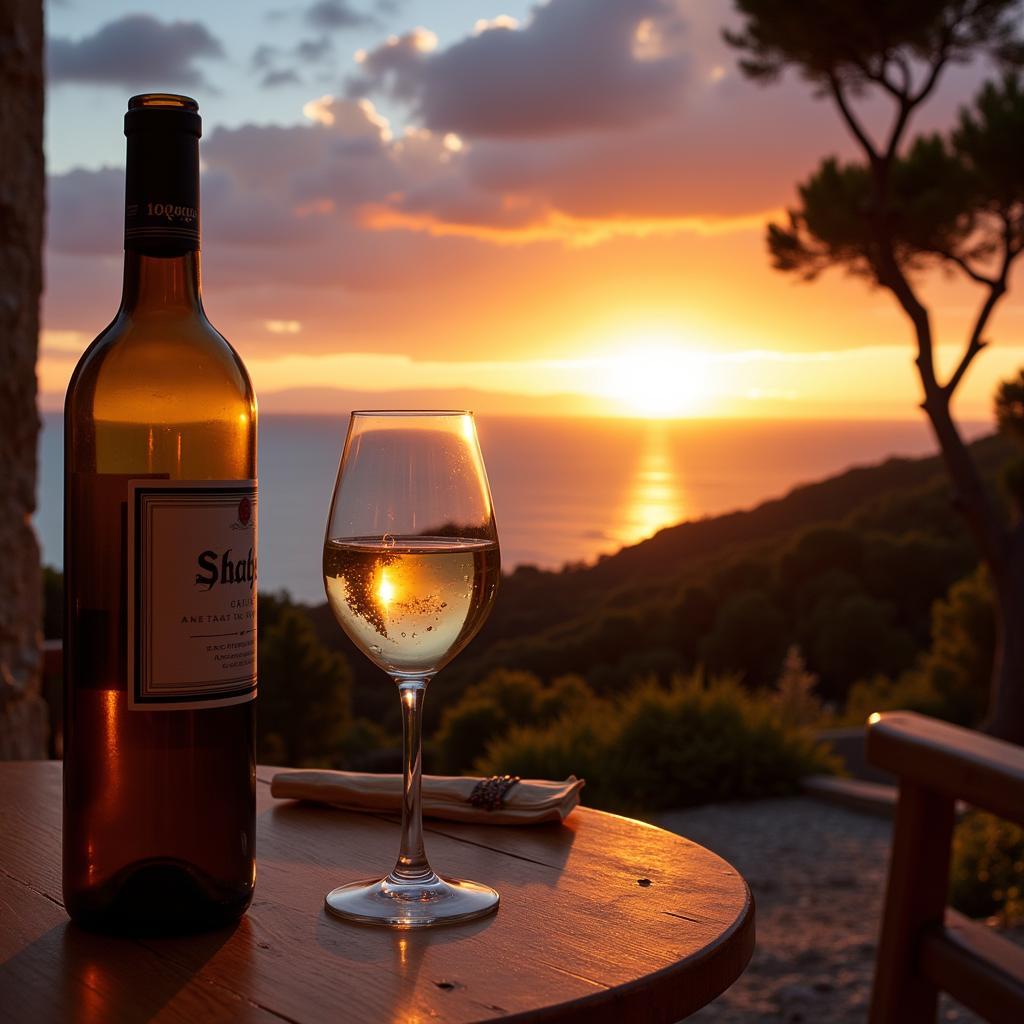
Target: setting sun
pixel 657 379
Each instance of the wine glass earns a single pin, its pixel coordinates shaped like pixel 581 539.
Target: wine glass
pixel 411 567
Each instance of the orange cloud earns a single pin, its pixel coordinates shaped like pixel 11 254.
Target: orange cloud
pixel 555 226
pixel 549 222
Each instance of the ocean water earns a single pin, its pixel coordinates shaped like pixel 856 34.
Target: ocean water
pixel 565 490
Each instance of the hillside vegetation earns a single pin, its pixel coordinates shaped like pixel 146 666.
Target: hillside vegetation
pixel 848 569
pixel 695 665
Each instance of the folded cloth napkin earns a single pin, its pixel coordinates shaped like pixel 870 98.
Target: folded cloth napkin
pixel 528 802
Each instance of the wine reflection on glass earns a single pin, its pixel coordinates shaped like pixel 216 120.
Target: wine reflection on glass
pixel 411 566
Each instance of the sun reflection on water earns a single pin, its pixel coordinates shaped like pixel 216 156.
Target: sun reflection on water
pixel 655 498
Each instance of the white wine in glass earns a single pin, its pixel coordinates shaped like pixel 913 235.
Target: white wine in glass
pixel 411 566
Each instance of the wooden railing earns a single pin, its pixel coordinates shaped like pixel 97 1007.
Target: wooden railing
pixel 925 946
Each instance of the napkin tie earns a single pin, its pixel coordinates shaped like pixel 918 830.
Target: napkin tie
pixel 527 802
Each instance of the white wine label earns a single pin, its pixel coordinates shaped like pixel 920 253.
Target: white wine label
pixel 191 593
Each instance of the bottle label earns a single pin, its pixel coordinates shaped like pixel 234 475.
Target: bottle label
pixel 191 593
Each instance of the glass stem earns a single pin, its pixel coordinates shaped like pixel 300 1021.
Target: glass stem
pixel 412 866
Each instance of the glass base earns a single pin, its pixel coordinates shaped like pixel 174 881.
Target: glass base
pixel 393 904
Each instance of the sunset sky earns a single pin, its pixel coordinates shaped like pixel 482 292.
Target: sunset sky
pixel 559 205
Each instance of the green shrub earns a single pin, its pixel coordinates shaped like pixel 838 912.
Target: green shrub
pixel 988 868
pixel 854 636
pixel 952 679
pixel 795 700
pixel 573 745
pixel 658 748
pixel 364 738
pixel 305 690
pixel 488 709
pixel 819 549
pixel 959 664
pixel 661 663
pixel 691 619
pixel 911 692
pixel 749 637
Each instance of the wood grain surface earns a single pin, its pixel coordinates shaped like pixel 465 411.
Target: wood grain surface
pixel 601 919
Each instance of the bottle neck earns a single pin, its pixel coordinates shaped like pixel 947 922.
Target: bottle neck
pixel 164 283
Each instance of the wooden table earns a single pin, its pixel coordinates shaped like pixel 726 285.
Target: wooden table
pixel 602 919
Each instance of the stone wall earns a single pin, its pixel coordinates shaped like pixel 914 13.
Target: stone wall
pixel 23 724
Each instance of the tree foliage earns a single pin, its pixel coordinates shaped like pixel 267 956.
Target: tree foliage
pixel 748 637
pixel 304 689
pixel 959 664
pixel 987 873
pixel 1009 406
pixel 956 201
pixel 950 679
pixel 864 42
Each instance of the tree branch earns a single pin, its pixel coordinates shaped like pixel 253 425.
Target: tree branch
pixel 996 290
pixel 880 77
pixel 961 262
pixel 969 493
pixel 908 102
pixel 933 77
pixel 974 346
pixel 901 62
pixel 906 106
pixel 851 120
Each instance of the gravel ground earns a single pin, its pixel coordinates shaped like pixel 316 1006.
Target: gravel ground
pixel 818 876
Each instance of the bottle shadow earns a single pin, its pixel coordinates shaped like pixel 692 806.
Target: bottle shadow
pixel 73 976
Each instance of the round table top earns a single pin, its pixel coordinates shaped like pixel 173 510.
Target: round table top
pixel 601 919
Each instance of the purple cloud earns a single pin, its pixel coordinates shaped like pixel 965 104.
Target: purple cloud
pixel 280 76
pixel 575 66
pixel 134 50
pixel 335 15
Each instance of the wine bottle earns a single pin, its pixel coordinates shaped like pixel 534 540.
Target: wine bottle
pixel 160 575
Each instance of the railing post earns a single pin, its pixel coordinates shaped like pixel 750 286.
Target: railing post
pixel 916 896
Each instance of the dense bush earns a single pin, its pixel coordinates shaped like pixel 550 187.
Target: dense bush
pixel 819 550
pixel 853 636
pixel 488 709
pixel 959 664
pixel 748 637
pixel 910 692
pixel 655 748
pixel 988 868
pixel 304 709
pixel 951 679
pixel 796 702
